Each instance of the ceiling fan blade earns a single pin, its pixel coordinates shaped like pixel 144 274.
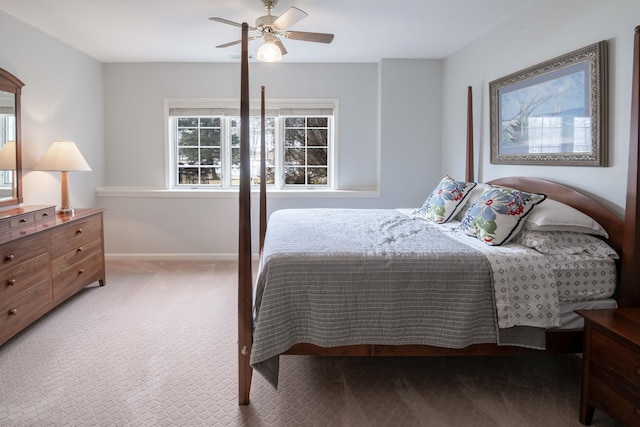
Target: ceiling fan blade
pixel 309 37
pixel 278 43
pixel 230 43
pixel 238 41
pixel 289 17
pixel 226 21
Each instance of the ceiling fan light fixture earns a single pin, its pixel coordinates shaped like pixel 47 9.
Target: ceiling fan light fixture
pixel 269 52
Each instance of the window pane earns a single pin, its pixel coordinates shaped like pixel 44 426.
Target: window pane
pixel 294 137
pixel 211 122
pixel 317 156
pixel 317 176
pixel 210 176
pixel 294 156
pixel 187 122
pixel 187 175
pixel 317 122
pixel 210 156
pixel 235 157
pixel 234 131
pixel 271 175
pixel 188 136
pixel 294 175
pixel 294 122
pixel 187 156
pixel 210 137
pixel 317 137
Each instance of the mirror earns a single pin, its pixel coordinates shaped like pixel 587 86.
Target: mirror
pixel 10 140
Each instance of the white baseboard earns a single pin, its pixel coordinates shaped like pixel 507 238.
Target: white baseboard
pixel 174 257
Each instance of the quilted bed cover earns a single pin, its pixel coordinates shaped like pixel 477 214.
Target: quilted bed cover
pixel 337 277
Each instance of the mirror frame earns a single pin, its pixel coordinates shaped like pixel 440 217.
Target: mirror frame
pixel 12 84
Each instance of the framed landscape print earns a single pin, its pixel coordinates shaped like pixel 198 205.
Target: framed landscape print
pixel 554 113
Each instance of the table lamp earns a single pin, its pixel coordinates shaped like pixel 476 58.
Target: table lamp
pixel 65 157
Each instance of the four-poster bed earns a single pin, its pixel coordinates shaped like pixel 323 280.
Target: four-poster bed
pixel 623 237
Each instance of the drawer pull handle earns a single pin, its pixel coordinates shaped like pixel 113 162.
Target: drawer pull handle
pixel 79 231
pixel 11 282
pixel 81 271
pixel 80 249
pixel 45 214
pixel 9 257
pixel 13 311
pixel 23 220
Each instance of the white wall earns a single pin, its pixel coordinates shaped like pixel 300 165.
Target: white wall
pixel 374 143
pixel 410 122
pixel 548 29
pixel 62 98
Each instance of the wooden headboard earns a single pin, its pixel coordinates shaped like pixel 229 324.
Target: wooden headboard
pixel 605 217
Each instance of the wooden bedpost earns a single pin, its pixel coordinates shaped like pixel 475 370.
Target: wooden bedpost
pixel 469 173
pixel 263 174
pixel 245 283
pixel 630 265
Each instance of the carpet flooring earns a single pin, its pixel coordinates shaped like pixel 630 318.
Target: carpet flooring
pixel 156 346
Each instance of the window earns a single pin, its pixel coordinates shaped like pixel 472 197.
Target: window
pixel 204 144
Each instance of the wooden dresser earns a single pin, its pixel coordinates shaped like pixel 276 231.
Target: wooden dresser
pixel 44 259
pixel 611 365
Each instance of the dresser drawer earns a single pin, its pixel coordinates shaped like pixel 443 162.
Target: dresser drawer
pixel 16 279
pixel 20 250
pixel 77 276
pixel 615 357
pixel 30 216
pixel 71 236
pixel 19 312
pixel 614 396
pixel 74 254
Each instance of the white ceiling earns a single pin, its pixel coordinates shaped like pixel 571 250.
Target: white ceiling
pixel 180 31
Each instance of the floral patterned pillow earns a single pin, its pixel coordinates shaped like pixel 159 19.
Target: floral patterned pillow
pixel 498 214
pixel 446 200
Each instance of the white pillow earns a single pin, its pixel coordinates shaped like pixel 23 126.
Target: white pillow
pixel 551 215
pixel 565 243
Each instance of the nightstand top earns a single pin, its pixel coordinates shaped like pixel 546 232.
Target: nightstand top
pixel 624 322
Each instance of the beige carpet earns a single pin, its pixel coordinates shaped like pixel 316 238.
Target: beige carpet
pixel 157 347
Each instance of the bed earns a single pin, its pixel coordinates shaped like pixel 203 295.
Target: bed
pixel 384 246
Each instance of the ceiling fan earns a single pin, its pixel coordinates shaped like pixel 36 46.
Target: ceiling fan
pixel 272 27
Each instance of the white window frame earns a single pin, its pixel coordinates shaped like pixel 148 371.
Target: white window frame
pixel 301 107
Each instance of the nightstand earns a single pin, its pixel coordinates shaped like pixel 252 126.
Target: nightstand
pixel 611 365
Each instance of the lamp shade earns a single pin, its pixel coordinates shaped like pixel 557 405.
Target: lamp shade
pixel 62 155
pixel 8 156
pixel 269 52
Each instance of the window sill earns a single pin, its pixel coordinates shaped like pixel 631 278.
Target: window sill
pixel 198 193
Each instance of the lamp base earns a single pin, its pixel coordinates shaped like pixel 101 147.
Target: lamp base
pixel 66 211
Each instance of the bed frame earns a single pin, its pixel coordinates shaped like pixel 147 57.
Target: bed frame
pixel 624 237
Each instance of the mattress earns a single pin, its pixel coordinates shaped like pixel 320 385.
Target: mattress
pixel 570 320
pixel 583 278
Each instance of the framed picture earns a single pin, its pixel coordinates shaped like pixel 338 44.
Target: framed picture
pixel 554 113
